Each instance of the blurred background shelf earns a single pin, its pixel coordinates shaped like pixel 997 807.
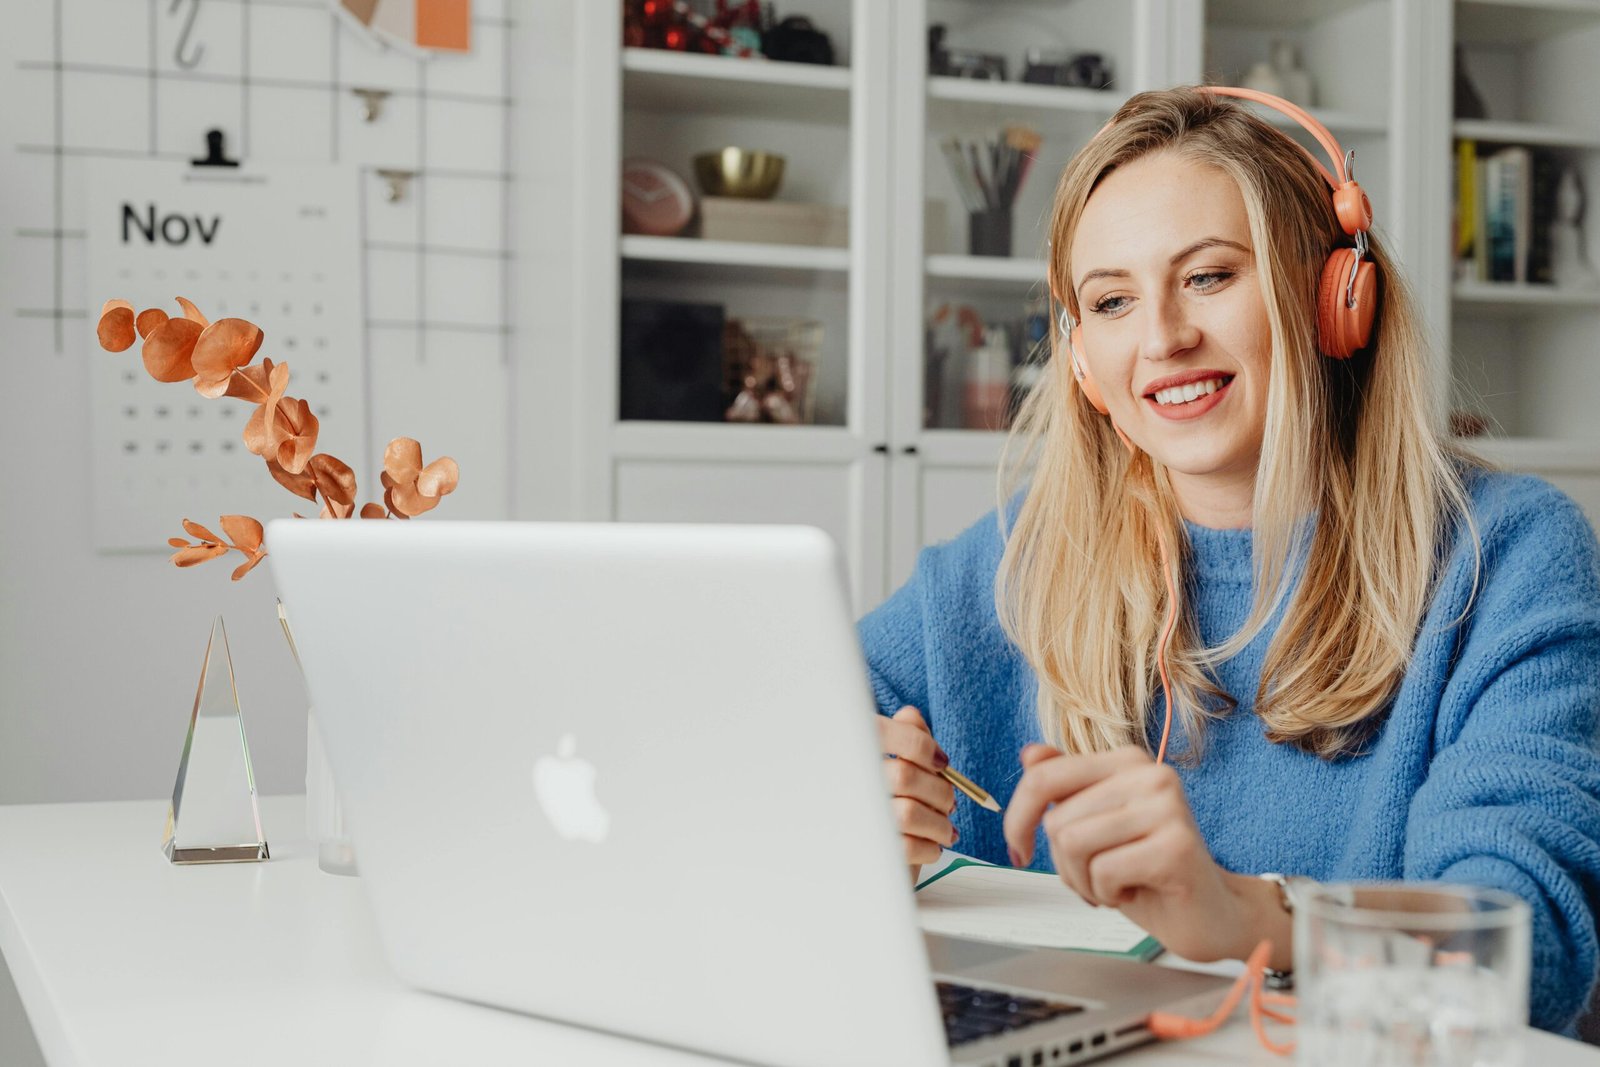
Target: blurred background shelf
pixel 658 80
pixel 745 255
pixel 1507 23
pixel 1528 133
pixel 1513 296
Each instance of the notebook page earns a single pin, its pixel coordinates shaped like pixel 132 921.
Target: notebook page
pixel 1021 908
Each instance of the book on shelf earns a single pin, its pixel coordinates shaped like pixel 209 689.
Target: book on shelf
pixel 1504 205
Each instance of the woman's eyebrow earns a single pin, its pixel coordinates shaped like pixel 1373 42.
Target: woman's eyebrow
pixel 1199 246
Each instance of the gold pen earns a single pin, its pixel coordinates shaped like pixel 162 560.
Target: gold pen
pixel 971 788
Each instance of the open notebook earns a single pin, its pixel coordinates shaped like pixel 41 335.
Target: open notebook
pixel 1032 908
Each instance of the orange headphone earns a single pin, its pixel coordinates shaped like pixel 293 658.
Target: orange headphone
pixel 1347 296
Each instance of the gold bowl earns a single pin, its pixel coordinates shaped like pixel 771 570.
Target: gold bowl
pixel 739 172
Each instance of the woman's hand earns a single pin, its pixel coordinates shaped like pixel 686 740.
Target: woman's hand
pixel 1121 835
pixel 923 800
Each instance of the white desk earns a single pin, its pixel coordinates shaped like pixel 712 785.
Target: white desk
pixel 122 959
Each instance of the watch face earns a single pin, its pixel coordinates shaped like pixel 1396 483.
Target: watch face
pixel 655 200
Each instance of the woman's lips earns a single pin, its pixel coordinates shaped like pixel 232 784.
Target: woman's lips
pixel 1194 408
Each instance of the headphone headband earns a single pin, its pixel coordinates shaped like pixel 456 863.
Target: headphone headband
pixel 1340 174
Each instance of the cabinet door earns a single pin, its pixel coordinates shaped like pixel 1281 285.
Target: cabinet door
pixel 937 492
pixel 843 498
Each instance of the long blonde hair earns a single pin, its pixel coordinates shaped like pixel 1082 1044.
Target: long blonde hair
pixel 1356 492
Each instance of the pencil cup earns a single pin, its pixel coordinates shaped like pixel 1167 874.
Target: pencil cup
pixel 989 232
pixel 324 816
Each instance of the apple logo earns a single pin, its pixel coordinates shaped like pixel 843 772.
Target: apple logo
pixel 564 786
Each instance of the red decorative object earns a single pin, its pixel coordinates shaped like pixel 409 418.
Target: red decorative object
pixel 676 26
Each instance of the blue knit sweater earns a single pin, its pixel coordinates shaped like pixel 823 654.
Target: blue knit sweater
pixel 1485 771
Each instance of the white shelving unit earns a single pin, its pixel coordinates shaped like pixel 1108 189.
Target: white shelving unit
pixel 1524 356
pixel 876 471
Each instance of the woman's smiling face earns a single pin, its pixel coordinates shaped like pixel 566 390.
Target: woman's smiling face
pixel 1174 326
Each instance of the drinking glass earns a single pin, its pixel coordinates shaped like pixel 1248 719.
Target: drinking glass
pixel 1412 974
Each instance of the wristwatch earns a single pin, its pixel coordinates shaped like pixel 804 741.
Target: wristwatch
pixel 1272 978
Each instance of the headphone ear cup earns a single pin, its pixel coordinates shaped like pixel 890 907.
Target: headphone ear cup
pixel 1344 330
pixel 1091 391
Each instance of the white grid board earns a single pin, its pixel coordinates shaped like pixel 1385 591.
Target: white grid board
pixel 102 82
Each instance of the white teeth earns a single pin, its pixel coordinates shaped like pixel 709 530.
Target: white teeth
pixel 1182 394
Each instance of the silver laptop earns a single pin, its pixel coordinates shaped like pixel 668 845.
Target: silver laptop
pixel 627 777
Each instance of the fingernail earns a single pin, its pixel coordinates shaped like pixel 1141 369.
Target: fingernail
pixel 955 835
pixel 940 760
pixel 1016 860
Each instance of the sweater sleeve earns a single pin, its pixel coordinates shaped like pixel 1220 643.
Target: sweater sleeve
pixel 894 640
pixel 1512 796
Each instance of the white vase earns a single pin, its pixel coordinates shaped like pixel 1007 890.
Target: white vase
pixel 1297 88
pixel 325 826
pixel 1263 78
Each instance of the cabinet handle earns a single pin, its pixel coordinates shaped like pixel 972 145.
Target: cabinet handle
pixel 909 450
pixel 882 450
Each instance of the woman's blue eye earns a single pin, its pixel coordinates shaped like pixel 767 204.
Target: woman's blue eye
pixel 1205 281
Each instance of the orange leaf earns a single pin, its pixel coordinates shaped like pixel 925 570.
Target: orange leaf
pixel 245 531
pixel 251 383
pixel 388 499
pixel 222 346
pixel 192 313
pixel 148 320
pixel 255 436
pixel 302 484
pixel 438 477
pixel 402 460
pixel 169 349
pixel 179 542
pixel 245 567
pixel 332 509
pixel 196 530
pixel 407 501
pixel 188 557
pixel 294 452
pixel 335 480
pixel 116 331
pixel 373 511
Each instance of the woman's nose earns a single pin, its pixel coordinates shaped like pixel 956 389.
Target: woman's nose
pixel 1168 331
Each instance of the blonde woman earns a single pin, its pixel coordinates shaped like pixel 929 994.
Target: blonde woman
pixel 1386 657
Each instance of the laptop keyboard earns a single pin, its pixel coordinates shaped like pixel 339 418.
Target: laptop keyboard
pixel 973 1013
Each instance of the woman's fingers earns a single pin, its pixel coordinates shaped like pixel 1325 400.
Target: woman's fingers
pixel 920 852
pixel 916 819
pixel 906 779
pixel 906 736
pixel 1077 841
pixel 1051 780
pixel 1117 873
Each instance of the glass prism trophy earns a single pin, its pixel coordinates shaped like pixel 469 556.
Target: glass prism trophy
pixel 213 817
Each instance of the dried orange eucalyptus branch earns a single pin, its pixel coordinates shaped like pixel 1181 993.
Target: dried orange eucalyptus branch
pixel 217 357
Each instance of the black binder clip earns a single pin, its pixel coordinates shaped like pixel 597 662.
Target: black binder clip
pixel 214 152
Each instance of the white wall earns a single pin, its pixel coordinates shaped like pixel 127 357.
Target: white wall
pixel 100 654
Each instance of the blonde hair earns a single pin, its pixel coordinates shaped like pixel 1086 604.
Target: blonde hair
pixel 1356 492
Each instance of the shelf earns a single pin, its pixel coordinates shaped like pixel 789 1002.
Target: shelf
pixel 657 80
pixel 1503 23
pixel 1045 105
pixel 990 273
pixel 745 255
pixel 1339 123
pixel 1509 296
pixel 1542 455
pixel 1529 133
pixel 1275 14
pixel 645 440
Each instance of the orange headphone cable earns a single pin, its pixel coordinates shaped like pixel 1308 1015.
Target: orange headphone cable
pixel 1168 1025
